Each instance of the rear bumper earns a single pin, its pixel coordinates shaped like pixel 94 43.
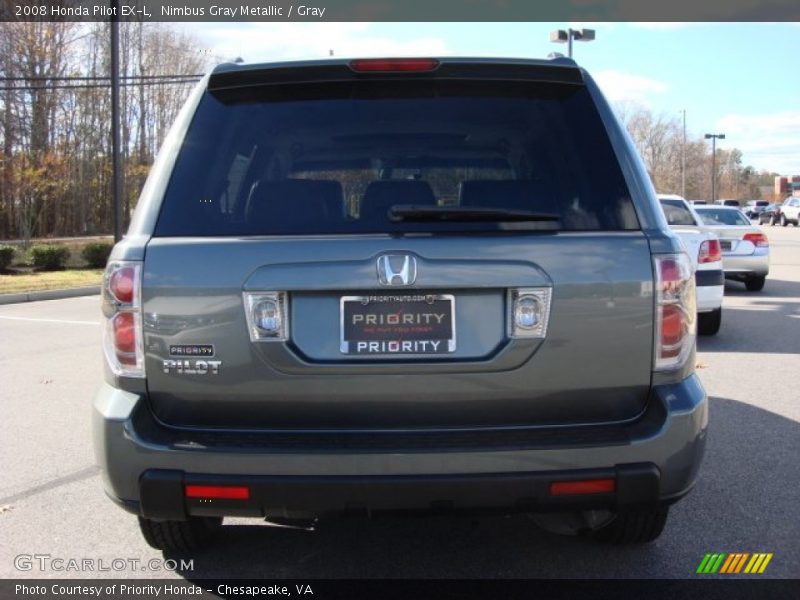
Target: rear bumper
pixel 162 492
pixel 737 266
pixel 710 286
pixel 653 460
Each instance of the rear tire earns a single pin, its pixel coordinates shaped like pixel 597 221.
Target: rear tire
pixel 633 527
pixel 784 221
pixel 708 323
pixel 179 536
pixel 755 283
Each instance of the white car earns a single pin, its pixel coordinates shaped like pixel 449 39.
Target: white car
pixel 790 211
pixel 745 247
pixel 705 251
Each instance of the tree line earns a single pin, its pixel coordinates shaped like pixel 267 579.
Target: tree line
pixel 55 150
pixel 660 141
pixel 55 102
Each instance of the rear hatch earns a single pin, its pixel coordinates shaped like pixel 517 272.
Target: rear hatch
pixel 732 242
pixel 731 227
pixel 384 227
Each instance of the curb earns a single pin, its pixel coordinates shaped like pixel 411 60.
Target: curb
pixel 49 295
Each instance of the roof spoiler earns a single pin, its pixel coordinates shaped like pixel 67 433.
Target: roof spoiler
pixel 233 76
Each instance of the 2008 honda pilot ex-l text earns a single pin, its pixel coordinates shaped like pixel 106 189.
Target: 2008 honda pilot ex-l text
pixel 401 284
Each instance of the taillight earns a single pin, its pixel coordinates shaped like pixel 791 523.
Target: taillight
pixel 124 333
pixel 122 342
pixel 710 251
pixel 121 284
pixel 759 239
pixel 388 65
pixel 676 310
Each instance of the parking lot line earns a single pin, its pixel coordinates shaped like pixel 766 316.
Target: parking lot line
pixel 50 320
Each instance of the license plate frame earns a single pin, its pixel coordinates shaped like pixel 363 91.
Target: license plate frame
pixel 386 334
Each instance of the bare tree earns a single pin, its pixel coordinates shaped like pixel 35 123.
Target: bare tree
pixel 659 139
pixel 55 168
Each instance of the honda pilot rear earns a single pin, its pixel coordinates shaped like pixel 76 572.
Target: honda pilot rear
pixel 401 284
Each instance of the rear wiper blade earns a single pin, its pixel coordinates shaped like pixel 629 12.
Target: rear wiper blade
pixel 411 212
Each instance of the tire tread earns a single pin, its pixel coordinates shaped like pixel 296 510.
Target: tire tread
pixel 633 527
pixel 178 536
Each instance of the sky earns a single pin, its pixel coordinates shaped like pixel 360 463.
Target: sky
pixel 740 79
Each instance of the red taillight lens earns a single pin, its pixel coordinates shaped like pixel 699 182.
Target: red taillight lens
pixel 125 332
pixel 222 492
pixel 121 284
pixel 388 65
pixel 759 239
pixel 122 306
pixel 676 310
pixel 710 251
pixel 585 486
pixel 671 330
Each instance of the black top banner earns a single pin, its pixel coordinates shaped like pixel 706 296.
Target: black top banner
pixel 399 10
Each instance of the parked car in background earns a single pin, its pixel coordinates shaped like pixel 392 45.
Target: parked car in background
pixel 693 202
pixel 704 249
pixel 735 203
pixel 790 211
pixel 753 208
pixel 745 248
pixel 771 214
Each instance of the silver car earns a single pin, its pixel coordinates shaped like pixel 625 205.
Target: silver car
pixel 745 247
pixel 355 286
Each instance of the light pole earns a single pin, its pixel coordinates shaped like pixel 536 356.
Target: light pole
pixel 714 137
pixel 116 159
pixel 683 157
pixel 560 36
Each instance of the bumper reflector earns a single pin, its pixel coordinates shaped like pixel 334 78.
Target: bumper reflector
pixel 584 486
pixel 226 492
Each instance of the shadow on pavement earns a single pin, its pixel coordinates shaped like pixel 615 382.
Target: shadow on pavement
pixel 773 288
pixel 745 501
pixel 770 322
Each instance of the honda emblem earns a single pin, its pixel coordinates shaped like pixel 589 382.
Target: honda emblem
pixel 397 269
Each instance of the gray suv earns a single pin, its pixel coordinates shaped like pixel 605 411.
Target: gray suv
pixel 402 284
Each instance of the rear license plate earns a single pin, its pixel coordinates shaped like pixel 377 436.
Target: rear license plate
pixel 725 245
pixel 389 324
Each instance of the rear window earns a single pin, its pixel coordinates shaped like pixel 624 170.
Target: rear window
pixel 720 216
pixel 336 159
pixel 677 213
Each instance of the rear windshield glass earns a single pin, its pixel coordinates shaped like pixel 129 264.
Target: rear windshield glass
pixel 720 216
pixel 677 213
pixel 341 159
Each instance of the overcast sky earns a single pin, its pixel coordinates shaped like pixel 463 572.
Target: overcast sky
pixel 741 79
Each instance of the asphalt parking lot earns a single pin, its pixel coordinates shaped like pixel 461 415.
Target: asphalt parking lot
pixel 746 500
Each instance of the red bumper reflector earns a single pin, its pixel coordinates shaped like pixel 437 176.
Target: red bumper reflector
pixel 584 486
pixel 227 492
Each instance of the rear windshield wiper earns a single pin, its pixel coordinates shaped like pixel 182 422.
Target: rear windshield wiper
pixel 410 212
